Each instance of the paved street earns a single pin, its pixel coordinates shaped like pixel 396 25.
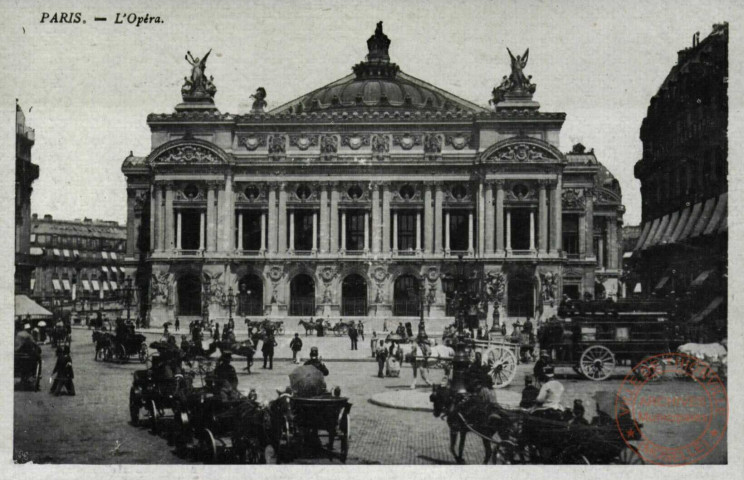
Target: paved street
pixel 93 427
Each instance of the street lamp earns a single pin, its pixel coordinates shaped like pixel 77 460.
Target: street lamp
pixel 128 295
pixel 461 360
pixel 229 298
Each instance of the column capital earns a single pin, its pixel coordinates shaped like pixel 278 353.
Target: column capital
pixel 499 182
pixel 544 182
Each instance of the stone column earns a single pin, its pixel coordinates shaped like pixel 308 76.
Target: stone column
pixel 131 226
pixel 447 231
pixel 282 219
pixel 470 233
pixel 556 217
pixel 240 231
pixel 154 246
pixel 481 218
pixel 600 252
pixel 228 216
pixel 438 204
pixel 589 196
pixel 333 227
pixel 376 220
pixel 366 231
pixel 263 232
pixel 499 216
pixel 386 217
pixel 489 219
pixel 202 226
pixel 428 219
pixel 343 230
pixel 291 231
pixel 543 214
pixel 315 231
pixel 582 235
pixel 612 244
pixel 532 230
pixel 418 231
pixel 508 231
pixel 395 232
pixel 169 226
pixel 324 220
pixel 179 231
pixel 211 218
pixel 273 224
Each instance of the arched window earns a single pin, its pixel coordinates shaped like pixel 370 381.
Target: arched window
pixel 406 296
pixel 354 296
pixel 250 295
pixel 189 295
pixel 302 296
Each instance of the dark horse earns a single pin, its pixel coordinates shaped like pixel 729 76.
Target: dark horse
pixel 308 326
pixel 463 411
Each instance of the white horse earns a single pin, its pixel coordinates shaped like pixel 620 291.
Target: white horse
pixel 422 357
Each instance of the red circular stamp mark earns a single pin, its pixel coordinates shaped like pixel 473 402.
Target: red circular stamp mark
pixel 675 422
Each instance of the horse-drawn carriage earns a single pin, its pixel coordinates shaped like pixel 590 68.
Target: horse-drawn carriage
pixel 593 337
pixel 304 424
pixel 27 367
pixel 119 348
pixel 275 326
pixel 156 395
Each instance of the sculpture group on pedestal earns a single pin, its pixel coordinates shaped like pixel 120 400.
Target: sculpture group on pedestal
pixel 198 86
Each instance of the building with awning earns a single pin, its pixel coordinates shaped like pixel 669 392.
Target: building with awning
pixel 683 250
pixel 25 307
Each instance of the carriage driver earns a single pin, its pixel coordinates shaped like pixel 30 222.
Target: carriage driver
pixel 226 379
pixel 315 361
pixel 551 392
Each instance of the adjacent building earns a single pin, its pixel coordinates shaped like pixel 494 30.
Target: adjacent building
pixel 360 197
pixel 26 173
pixel 77 262
pixel 682 250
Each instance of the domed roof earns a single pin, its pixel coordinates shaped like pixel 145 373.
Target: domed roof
pixel 378 84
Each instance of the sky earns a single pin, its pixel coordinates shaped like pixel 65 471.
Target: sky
pixel 87 88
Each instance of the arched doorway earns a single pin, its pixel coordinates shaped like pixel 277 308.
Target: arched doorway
pixel 521 292
pixel 406 296
pixel 250 295
pixel 354 296
pixel 189 295
pixel 302 296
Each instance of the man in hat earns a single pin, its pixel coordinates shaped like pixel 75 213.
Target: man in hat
pixel 65 374
pixel 316 362
pixel 529 393
pixel 551 392
pixel 268 350
pixel 381 354
pixel 543 362
pixel 225 378
pixel 295 345
pixel 24 341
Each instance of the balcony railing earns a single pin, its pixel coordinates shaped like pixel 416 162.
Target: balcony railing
pixel 302 307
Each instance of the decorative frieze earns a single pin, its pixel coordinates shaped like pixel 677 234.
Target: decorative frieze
pixel 459 141
pixel 303 142
pixel 407 141
pixel 252 142
pixel 355 141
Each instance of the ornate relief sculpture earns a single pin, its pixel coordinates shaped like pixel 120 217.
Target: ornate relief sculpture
pixel 549 281
pixel 259 100
pixel 160 290
pixel 198 86
pixel 432 144
pixel 380 144
pixel 252 142
pixel 517 82
pixel 187 154
pixel 277 144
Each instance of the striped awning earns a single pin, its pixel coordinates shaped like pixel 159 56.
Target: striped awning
pixel 86 285
pixel 705 217
pixel 76 253
pixel 113 256
pixel 66 252
pixel 700 279
pixel 36 251
pixel 56 285
pixel 651 234
pixel 644 234
pixel 122 271
pixel 105 286
pixel 719 214
pixel 113 285
pixel 691 221
pixel 667 236
pixel 95 285
pixel 660 231
pixel 105 268
pixel 661 283
pixel 33 283
pixel 704 313
pixel 105 255
pixel 66 284
pixel 56 252
pixel 683 217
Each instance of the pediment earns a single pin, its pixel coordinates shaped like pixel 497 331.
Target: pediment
pixel 522 150
pixel 188 152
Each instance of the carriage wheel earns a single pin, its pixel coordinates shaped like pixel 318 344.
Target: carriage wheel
pixel 572 456
pixel 629 456
pixel 181 433
pixel 502 364
pixel 207 447
pixel 250 451
pixel 154 417
pixel 345 427
pixel 270 456
pixel 99 356
pixel 143 352
pixel 134 406
pixel 37 384
pixel 651 369
pixel 108 354
pixel 597 363
pixel 507 453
